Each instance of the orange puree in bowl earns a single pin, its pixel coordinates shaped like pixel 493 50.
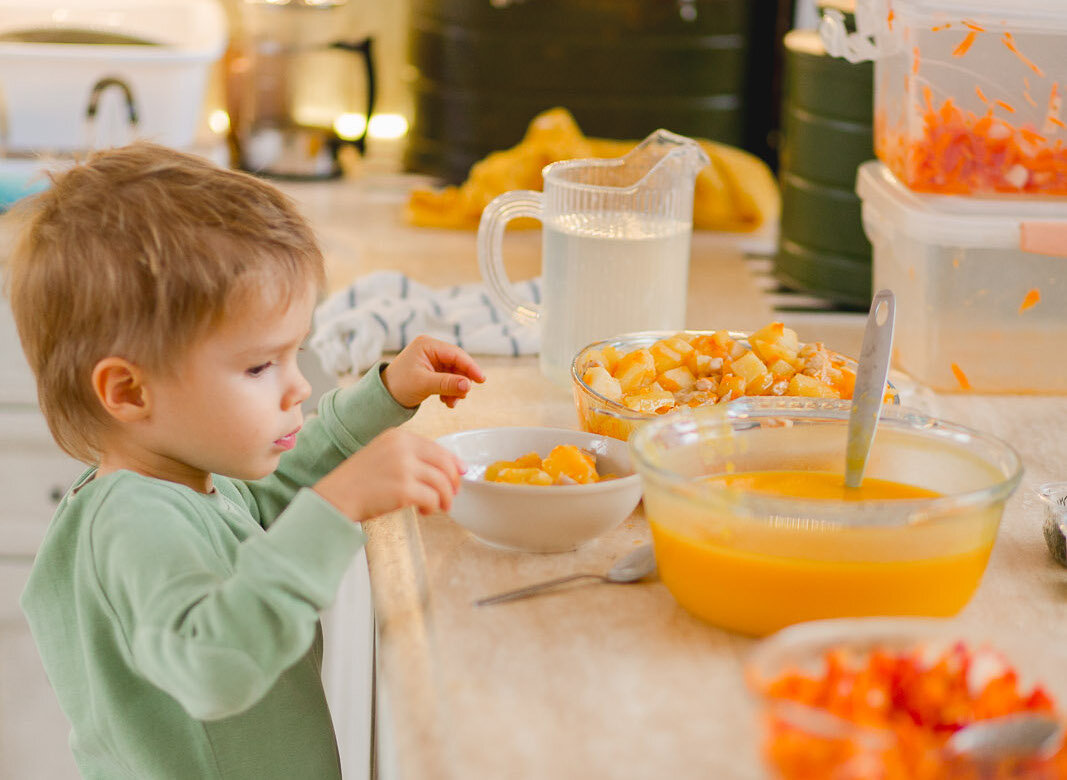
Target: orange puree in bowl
pixel 753 576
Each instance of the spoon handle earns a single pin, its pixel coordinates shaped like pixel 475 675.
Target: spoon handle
pixel 871 374
pixel 532 590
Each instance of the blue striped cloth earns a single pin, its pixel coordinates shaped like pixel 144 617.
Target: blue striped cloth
pixel 385 310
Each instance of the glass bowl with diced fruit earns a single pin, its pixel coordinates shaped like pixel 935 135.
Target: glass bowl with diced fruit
pixel 859 698
pixel 622 382
pixel 541 490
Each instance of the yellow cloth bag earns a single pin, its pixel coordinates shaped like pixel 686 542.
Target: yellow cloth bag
pixel 736 192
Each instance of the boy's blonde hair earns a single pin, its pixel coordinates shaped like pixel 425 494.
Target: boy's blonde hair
pixel 136 253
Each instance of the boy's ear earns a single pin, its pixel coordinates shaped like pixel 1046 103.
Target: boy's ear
pixel 120 388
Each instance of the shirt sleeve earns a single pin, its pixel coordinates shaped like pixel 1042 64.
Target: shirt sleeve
pixel 347 420
pixel 217 636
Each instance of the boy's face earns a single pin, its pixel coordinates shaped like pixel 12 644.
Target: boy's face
pixel 233 405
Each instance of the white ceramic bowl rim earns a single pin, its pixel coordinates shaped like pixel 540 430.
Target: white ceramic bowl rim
pixel 854 513
pixel 534 490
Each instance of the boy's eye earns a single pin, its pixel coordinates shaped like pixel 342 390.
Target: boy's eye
pixel 257 370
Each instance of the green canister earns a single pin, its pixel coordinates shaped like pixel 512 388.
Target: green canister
pixel 826 134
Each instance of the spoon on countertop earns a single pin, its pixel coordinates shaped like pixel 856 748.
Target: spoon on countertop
pixel 1029 734
pixel 631 568
pixel 869 392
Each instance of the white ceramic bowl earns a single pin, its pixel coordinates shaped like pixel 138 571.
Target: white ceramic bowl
pixel 535 518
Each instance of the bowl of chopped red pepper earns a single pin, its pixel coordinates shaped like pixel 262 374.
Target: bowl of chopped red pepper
pixel 880 698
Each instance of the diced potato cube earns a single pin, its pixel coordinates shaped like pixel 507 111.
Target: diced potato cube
pixel 731 387
pixel 781 369
pixel 665 357
pixel 649 401
pixel 809 387
pixel 761 385
pixel 594 357
pixel 679 345
pixel 750 367
pixel 680 378
pixel 721 343
pixel 568 460
pixel 775 342
pixel 611 358
pixel 635 369
pixel 700 364
pixel 600 381
pixel 518 476
pixel 737 350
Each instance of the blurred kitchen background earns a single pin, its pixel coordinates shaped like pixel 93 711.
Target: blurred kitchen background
pixel 282 87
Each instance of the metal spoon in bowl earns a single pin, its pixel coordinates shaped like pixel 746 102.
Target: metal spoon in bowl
pixel 869 392
pixel 633 567
pixel 1029 734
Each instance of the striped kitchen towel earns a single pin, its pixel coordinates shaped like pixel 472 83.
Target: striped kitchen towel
pixel 385 310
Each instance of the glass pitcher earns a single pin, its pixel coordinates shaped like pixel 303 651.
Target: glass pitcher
pixel 614 251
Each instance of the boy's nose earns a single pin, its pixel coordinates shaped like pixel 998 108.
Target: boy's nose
pixel 298 392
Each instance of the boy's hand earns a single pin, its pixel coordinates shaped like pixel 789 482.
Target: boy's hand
pixel 396 469
pixel 428 367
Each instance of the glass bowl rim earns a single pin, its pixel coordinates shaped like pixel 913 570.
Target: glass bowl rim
pixel 854 514
pixel 617 410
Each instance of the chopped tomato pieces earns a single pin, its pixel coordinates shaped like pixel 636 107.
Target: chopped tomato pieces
pixel 907 704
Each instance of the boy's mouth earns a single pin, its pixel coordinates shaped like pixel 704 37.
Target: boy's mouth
pixel 288 441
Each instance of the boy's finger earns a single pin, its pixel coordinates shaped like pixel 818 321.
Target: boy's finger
pixel 449 356
pixel 451 385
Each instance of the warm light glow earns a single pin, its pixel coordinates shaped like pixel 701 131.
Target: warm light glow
pixel 219 121
pixel 350 126
pixel 388 126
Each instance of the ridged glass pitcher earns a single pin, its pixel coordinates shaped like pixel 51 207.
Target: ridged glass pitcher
pixel 615 246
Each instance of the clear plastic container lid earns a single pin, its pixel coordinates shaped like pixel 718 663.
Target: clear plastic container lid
pixel 1021 13
pixel 1029 224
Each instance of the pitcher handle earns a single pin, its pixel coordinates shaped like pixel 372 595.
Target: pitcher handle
pixel 500 211
pixel 364 48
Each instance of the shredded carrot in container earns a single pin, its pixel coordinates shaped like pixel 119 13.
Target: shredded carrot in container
pixel 965 44
pixel 941 27
pixel 909 704
pixel 965 383
pixel 961 153
pixel 1033 297
pixel 972 26
pixel 1009 41
pixel 915 60
pixel 981 95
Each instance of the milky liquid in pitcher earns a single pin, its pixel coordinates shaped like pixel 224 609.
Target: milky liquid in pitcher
pixel 607 274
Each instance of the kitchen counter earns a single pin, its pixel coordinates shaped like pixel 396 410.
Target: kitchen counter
pixel 603 680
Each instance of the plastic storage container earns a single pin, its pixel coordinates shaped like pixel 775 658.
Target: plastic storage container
pixel 60 62
pixel 981 285
pixel 968 94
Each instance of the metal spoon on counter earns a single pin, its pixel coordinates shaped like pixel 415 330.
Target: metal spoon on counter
pixel 633 567
pixel 1025 735
pixel 869 392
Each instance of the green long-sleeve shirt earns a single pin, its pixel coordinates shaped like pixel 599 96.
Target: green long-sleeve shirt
pixel 180 630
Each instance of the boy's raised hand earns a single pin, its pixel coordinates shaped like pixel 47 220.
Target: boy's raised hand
pixel 396 469
pixel 428 367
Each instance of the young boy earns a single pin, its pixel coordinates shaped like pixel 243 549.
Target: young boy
pixel 161 302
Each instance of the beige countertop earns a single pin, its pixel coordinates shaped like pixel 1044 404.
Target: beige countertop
pixel 604 680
